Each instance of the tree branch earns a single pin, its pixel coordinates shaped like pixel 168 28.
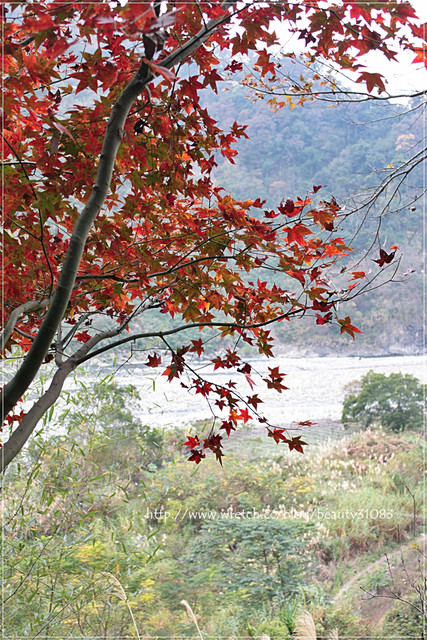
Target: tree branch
pixel 28 423
pixel 32 305
pixel 196 325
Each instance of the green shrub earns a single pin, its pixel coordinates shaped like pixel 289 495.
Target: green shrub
pixel 343 619
pixel 378 581
pixel 404 620
pixel 274 629
pixel 259 559
pixel 394 402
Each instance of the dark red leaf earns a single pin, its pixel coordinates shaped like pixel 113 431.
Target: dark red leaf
pixel 153 360
pixel 288 208
pixel 385 258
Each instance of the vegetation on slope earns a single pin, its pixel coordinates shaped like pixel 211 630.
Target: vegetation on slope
pixel 249 546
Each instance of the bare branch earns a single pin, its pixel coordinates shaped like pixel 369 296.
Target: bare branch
pixel 15 315
pixel 196 325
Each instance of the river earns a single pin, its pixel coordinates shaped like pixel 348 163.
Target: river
pixel 316 387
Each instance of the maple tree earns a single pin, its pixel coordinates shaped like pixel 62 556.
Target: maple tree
pixel 110 209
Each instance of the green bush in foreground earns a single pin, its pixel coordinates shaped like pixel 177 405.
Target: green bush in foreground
pixel 395 402
pixel 405 619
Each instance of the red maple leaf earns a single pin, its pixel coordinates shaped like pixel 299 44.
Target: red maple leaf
pixel 197 346
pixel 228 426
pixel 321 305
pixel 196 456
pixel 16 417
pixel 214 444
pixel 274 381
pixel 246 368
pixel 347 327
pixel 254 400
pixel 192 442
pixel 83 336
pixel 287 208
pixel 372 80
pixel 420 57
pixel 299 275
pixel 244 415
pixel 213 441
pixel 357 275
pixel 278 436
pixel 297 234
pixel 385 258
pixel 323 319
pixel 153 360
pixel 267 65
pixel 297 444
pixel 234 66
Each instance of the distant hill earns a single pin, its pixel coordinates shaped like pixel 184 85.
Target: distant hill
pixel 345 148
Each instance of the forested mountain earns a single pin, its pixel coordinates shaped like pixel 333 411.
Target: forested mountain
pixel 340 146
pixel 347 148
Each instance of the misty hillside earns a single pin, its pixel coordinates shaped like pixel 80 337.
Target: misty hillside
pixel 345 148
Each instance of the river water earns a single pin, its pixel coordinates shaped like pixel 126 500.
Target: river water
pixel 316 388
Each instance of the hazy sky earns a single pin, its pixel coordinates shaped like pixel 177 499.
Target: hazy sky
pixel 402 76
pixel 421 8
